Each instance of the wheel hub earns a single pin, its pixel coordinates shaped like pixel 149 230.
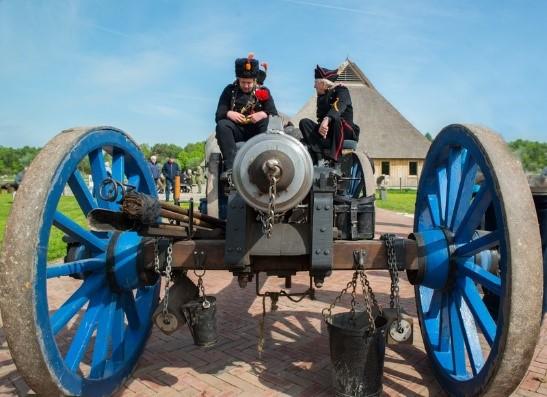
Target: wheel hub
pixel 122 261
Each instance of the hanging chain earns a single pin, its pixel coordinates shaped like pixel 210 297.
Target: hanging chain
pixel 167 279
pixel 327 311
pixel 268 219
pixel 157 256
pixel 394 273
pixel 369 296
pixel 199 272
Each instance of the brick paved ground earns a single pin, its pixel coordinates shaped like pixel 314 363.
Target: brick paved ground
pixel 295 361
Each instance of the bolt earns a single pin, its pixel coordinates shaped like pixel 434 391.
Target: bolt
pixel 238 249
pixel 326 252
pixel 327 207
pixel 317 251
pixel 230 249
pixel 322 229
pixel 242 281
pixel 318 207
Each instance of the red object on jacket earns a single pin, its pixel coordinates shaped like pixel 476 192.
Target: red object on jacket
pixel 262 95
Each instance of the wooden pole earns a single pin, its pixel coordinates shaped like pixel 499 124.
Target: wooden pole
pixel 176 189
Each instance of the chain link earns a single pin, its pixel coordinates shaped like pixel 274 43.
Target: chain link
pixel 394 274
pixel 327 311
pixel 201 288
pixel 157 256
pixel 268 219
pixel 369 296
pixel 167 279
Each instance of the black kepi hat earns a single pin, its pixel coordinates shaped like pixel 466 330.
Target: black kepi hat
pixel 324 73
pixel 247 67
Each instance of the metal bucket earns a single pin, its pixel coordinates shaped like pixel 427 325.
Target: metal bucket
pixel 201 321
pixel 357 354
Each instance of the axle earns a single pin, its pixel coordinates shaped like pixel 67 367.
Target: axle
pixel 376 256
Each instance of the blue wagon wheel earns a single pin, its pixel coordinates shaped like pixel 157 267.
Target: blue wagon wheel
pixel 88 342
pixel 478 238
pixel 356 166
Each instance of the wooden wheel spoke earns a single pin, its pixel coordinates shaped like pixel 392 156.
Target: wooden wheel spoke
pixel 442 187
pixel 102 340
pixel 465 191
pixel 118 164
pixel 130 309
pixel 87 326
pixel 75 267
pixel 473 217
pixel 434 209
pixel 456 338
pixel 478 309
pixel 481 276
pixel 454 174
pixel 68 226
pixel 81 192
pixel 471 337
pixel 76 301
pixel 487 241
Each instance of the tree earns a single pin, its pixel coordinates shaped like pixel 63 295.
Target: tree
pixel 532 154
pixel 428 136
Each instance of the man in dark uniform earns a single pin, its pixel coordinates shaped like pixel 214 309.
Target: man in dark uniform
pixel 334 115
pixel 243 110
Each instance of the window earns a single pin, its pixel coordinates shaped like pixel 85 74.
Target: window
pixel 385 167
pixel 413 168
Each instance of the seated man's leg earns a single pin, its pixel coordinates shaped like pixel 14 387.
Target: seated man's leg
pixel 251 130
pixel 311 138
pixel 227 134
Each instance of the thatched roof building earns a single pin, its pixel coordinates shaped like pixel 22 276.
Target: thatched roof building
pixel 385 133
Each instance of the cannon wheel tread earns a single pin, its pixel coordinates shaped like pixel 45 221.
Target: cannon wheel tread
pixel 473 189
pixel 110 332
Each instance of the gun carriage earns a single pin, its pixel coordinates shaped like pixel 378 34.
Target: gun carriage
pixel 474 256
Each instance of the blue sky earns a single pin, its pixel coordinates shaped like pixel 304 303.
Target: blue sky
pixel 156 68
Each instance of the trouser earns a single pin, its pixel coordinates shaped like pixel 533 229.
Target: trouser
pixel 330 146
pixel 228 133
pixel 168 186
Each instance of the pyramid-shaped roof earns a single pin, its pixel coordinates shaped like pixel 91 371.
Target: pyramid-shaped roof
pixel 385 133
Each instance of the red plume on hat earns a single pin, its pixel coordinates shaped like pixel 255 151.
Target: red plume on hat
pixel 261 75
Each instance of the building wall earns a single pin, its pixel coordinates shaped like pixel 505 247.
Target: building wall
pixel 399 172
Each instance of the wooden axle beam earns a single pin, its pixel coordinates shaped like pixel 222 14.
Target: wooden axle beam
pixel 376 258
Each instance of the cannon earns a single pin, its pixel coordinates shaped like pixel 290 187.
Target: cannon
pixel 474 256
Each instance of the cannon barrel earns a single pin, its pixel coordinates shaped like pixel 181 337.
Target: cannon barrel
pixel 269 156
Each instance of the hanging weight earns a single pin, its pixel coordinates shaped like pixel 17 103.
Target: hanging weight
pixel 166 322
pixel 398 333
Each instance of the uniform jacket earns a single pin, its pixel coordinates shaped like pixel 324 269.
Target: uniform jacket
pixel 232 98
pixel 170 170
pixel 336 104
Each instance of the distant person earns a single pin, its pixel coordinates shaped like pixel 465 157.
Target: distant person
pixel 169 170
pixel 155 170
pixel 199 178
pixel 191 179
pixel 334 118
pixel 242 111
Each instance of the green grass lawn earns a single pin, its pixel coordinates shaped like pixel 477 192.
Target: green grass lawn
pixel 56 247
pixel 398 200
